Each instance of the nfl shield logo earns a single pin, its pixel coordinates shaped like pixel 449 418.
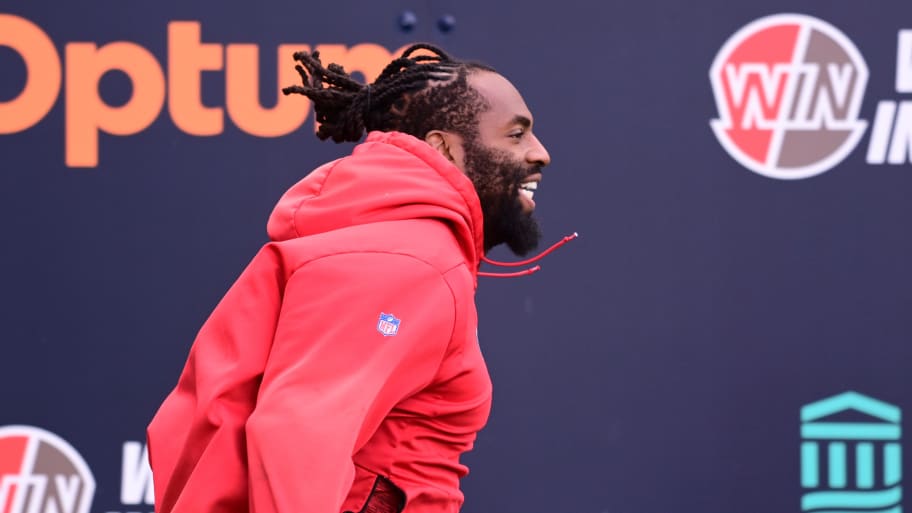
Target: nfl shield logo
pixel 388 325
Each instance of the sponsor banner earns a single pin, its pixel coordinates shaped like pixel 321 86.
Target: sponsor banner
pixel 853 464
pixel 789 90
pixel 42 473
pixel 174 80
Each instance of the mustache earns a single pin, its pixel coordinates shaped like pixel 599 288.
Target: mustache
pixel 523 172
pixel 534 169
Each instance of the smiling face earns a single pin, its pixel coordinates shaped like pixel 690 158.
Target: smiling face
pixel 505 189
pixel 503 158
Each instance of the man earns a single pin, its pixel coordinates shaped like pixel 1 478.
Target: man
pixel 341 372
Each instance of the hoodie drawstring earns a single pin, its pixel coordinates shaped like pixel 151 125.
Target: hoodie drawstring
pixel 528 261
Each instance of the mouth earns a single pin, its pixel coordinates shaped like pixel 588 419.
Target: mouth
pixel 527 190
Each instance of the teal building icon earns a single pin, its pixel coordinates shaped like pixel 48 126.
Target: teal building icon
pixel 851 466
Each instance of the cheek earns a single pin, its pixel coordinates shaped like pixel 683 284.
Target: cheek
pixel 512 155
pixel 457 151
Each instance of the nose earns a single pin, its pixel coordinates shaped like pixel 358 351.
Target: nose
pixel 537 154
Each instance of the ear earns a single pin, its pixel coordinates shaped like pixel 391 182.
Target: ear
pixel 448 144
pixel 440 141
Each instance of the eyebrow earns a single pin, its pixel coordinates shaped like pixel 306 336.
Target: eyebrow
pixel 519 119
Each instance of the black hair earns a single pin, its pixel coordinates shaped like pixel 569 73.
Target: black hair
pixel 414 94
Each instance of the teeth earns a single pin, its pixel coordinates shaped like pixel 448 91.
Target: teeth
pixel 530 186
pixel 527 193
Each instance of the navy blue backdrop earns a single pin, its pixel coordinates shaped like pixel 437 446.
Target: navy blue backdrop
pixel 659 363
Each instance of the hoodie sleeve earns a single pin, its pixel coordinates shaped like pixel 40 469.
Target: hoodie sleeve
pixel 196 440
pixel 356 334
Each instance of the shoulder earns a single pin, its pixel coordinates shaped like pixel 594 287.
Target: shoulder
pixel 413 244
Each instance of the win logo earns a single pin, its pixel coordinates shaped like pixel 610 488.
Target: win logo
pixel 788 88
pixel 851 466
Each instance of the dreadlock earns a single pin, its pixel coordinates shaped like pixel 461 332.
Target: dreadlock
pixel 414 94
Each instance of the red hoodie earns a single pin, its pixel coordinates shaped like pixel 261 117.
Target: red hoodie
pixel 347 349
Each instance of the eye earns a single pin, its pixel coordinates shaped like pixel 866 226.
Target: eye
pixel 517 134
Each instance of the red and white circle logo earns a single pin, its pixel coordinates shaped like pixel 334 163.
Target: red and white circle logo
pixel 788 89
pixel 41 473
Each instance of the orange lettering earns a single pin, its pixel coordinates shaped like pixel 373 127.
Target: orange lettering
pixel 42 65
pixel 243 92
pixel 187 58
pixel 87 113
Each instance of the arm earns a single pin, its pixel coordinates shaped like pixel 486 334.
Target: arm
pixel 196 440
pixel 332 377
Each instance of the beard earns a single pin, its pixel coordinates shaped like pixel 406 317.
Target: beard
pixel 497 176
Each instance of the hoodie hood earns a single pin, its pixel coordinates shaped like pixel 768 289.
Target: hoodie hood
pixel 390 177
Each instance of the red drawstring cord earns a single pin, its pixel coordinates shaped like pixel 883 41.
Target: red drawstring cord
pixel 528 261
pixel 537 257
pixel 524 272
